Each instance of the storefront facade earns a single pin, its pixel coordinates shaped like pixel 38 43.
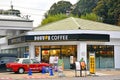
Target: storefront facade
pixel 66 43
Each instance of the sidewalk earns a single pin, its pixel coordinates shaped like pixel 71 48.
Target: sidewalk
pixel 67 73
pixel 71 73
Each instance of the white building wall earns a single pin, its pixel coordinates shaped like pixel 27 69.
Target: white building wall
pixel 15 24
pixel 117 56
pixel 2 32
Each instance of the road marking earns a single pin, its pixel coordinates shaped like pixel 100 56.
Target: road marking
pixel 35 77
pixel 6 78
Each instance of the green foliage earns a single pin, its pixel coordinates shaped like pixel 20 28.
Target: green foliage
pixel 84 6
pixel 52 18
pixel 60 8
pixel 92 17
pixel 109 10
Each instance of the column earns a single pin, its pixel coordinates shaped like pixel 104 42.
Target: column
pixel 31 51
pixel 82 51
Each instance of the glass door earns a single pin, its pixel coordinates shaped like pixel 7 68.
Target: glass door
pixel 66 61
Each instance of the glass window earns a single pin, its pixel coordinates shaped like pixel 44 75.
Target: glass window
pixel 45 46
pixel 26 61
pixel 34 61
pixel 54 52
pixel 69 50
pixel 55 46
pixel 45 55
pixel 62 51
pixel 104 55
pixel 37 51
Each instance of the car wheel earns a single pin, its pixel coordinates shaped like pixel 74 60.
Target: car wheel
pixel 21 70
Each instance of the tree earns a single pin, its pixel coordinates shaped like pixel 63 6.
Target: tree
pixel 109 10
pixel 60 8
pixel 57 12
pixel 84 6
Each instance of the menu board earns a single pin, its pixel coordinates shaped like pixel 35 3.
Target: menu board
pixel 77 64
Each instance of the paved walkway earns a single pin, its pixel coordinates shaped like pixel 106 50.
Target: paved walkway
pixel 69 74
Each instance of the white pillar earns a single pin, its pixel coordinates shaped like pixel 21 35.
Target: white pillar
pixel 117 56
pixel 82 51
pixel 31 51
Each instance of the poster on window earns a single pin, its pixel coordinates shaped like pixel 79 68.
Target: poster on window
pixel 53 59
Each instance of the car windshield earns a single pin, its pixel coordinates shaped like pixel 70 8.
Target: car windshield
pixel 35 61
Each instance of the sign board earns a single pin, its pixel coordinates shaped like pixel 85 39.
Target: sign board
pixel 77 64
pixel 59 37
pixel 92 63
pixel 53 59
pixel 60 65
pixel 83 65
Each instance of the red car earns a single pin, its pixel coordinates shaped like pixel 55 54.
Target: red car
pixel 22 65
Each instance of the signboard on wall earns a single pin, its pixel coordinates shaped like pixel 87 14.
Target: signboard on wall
pixel 92 63
pixel 16 40
pixel 53 37
pixel 59 37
